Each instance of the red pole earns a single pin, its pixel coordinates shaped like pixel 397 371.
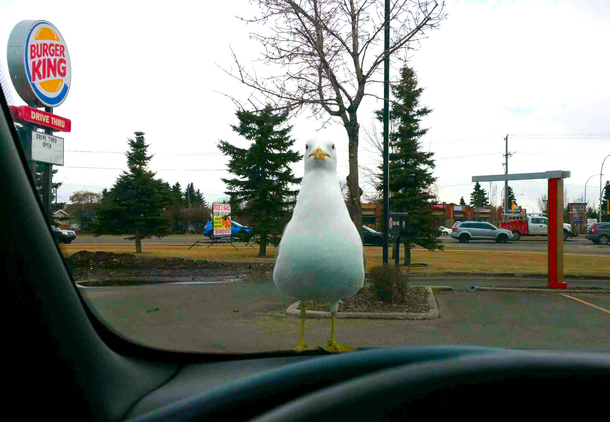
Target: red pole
pixel 555 215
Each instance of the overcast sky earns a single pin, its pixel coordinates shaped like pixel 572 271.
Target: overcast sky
pixel 535 70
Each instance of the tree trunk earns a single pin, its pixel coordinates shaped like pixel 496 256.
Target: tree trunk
pixel 353 186
pixel 407 254
pixel 138 242
pixel 262 250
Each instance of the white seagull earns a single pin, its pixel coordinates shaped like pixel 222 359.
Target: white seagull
pixel 320 256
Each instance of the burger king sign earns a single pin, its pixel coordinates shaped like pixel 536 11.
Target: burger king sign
pixel 39 63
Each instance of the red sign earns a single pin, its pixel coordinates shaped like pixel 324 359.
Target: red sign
pixel 25 114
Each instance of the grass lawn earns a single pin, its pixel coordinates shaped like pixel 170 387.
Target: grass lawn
pixel 439 261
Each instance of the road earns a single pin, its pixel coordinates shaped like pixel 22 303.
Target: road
pixel 577 245
pixel 245 317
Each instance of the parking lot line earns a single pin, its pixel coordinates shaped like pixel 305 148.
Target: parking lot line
pixel 586 303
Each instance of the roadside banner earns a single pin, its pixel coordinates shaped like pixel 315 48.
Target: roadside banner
pixel 222 219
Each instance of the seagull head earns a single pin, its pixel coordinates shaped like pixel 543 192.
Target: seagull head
pixel 320 154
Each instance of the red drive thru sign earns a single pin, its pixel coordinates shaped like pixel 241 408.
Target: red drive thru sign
pixel 25 114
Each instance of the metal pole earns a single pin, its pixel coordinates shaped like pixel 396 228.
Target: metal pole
pixel 601 190
pixel 506 181
pixel 47 179
pixel 586 187
pixel 386 133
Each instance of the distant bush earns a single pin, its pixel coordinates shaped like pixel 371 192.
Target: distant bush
pixel 391 283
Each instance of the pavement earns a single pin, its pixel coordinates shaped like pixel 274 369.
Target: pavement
pixel 576 245
pixel 244 317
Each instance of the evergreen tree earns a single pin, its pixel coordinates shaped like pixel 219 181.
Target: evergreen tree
pixel 462 202
pixel 263 176
pixel 410 168
pixel 135 204
pixel 478 197
pixel 605 199
pixel 511 197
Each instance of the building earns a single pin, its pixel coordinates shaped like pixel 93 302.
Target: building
pixel 61 219
pixel 448 214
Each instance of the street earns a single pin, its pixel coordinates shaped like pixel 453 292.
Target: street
pixel 576 245
pixel 244 317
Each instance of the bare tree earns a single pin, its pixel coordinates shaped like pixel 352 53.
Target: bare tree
pixel 328 52
pixel 493 195
pixel 542 203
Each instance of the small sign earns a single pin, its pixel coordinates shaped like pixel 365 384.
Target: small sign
pixel 458 208
pixel 47 148
pixel 25 114
pixel 438 207
pixel 222 219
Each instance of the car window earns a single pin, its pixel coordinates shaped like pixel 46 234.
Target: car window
pixel 182 161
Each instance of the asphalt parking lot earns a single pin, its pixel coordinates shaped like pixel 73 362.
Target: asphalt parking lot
pixel 246 317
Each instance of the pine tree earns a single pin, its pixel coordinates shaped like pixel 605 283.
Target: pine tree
pixel 605 200
pixel 462 202
pixel 410 168
pixel 478 197
pixel 263 176
pixel 511 197
pixel 135 204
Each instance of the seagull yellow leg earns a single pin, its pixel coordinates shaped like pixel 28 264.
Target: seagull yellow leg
pixel 302 346
pixel 333 346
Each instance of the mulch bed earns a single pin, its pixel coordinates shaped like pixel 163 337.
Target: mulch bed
pixel 366 301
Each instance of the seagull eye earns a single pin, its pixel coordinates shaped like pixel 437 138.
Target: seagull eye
pixel 306 146
pixel 333 146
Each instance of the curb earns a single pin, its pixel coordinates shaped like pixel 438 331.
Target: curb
pixel 517 289
pixel 433 313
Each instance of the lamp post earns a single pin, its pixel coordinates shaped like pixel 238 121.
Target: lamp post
pixel 597 174
pixel 601 173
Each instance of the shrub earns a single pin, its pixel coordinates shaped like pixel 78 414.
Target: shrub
pixel 391 283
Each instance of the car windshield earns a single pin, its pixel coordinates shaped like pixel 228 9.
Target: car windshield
pixel 214 176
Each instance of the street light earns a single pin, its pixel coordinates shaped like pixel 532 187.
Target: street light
pixel 598 174
pixel 601 173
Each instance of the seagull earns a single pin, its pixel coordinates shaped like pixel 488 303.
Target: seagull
pixel 320 256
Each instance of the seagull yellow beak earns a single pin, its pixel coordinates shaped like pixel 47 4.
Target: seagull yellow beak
pixel 318 154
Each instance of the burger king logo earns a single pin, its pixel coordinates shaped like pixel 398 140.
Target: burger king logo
pixel 39 63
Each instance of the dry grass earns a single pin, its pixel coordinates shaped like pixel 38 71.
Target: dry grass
pixel 448 260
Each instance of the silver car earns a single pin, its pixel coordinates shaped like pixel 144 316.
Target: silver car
pixel 480 230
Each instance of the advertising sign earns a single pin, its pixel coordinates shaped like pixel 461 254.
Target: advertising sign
pixel 438 207
pixel 39 63
pixel 47 148
pixel 222 219
pixel 25 114
pixel 458 208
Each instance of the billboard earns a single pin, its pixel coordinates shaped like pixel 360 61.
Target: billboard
pixel 221 219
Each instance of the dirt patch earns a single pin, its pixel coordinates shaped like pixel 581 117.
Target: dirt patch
pixel 366 301
pixel 108 266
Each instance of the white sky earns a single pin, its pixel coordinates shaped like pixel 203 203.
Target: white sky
pixel 536 70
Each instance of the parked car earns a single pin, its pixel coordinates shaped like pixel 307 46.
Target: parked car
pixel 236 229
pixel 63 236
pixel 444 231
pixel 599 233
pixel 373 237
pixel 465 231
pixel 70 235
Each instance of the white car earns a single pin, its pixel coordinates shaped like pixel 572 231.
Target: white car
pixel 444 231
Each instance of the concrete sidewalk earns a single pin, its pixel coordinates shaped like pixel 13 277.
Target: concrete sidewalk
pixel 246 317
